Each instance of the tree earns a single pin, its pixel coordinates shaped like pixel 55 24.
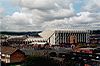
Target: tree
pixel 39 61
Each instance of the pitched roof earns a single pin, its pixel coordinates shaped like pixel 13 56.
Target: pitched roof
pixel 8 50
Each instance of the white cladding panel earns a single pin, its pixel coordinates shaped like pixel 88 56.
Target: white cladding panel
pixel 52 39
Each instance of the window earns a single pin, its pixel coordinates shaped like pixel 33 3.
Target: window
pixel 7 55
pixel 3 54
pixel 7 60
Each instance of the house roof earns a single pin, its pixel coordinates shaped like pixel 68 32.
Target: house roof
pixel 8 50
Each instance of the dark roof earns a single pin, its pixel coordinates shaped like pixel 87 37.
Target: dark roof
pixel 96 32
pixel 8 50
pixel 17 39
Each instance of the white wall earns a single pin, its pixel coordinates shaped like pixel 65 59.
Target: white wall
pixel 6 58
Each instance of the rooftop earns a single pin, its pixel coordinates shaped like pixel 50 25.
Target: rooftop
pixel 8 50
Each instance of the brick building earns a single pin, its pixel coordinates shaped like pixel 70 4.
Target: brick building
pixel 95 37
pixel 11 55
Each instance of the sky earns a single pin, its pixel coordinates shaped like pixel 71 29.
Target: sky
pixel 36 15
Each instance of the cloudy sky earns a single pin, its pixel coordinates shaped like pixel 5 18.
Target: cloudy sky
pixel 30 15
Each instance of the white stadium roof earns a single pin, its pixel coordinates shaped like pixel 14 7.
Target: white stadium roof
pixel 47 33
pixel 35 39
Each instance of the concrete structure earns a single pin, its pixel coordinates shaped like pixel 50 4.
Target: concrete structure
pixel 66 36
pixel 36 40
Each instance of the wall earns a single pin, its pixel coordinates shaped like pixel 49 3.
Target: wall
pixel 17 56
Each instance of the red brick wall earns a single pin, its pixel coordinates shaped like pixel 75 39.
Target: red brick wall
pixel 17 56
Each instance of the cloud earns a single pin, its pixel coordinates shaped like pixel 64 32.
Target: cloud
pixel 35 13
pixel 17 22
pixel 80 21
pixel 92 6
pixel 56 24
pixel 45 4
pixel 85 17
pixel 51 14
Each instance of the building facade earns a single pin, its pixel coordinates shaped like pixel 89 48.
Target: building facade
pixel 95 37
pixel 58 37
pixel 11 55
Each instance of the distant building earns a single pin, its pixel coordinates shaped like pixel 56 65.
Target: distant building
pixel 68 36
pixel 3 39
pixel 13 41
pixel 34 42
pixel 85 50
pixel 95 37
pixel 11 55
pixel 35 39
pixel 16 39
